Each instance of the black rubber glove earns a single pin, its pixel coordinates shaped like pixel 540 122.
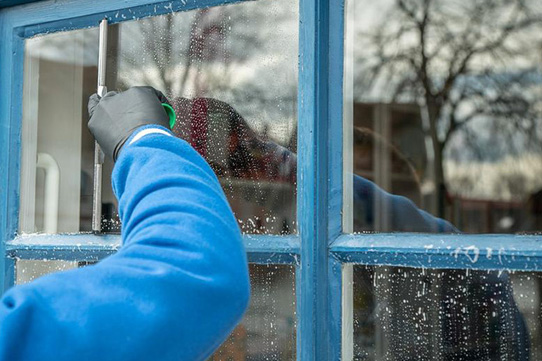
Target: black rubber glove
pixel 116 116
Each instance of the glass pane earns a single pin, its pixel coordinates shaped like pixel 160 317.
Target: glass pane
pixel 57 153
pixel 417 314
pixel 268 329
pixel 444 107
pixel 231 75
pixel 230 72
pixel 28 270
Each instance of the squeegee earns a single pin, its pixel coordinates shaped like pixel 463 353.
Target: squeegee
pixel 98 154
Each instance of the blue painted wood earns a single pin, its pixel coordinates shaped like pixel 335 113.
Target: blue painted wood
pixel 8 54
pixel 67 252
pixel 15 127
pixel 335 109
pixel 9 274
pixel 69 247
pixel 335 174
pixel 53 15
pixel 335 308
pixel 450 251
pixel 319 177
pixel 272 249
pixel 7 3
pixel 4 141
pixel 298 301
pixel 89 247
pixel 312 305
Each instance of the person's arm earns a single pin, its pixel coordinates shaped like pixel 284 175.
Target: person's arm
pixel 175 289
pixel 404 215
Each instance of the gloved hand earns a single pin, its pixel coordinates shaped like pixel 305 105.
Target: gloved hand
pixel 115 116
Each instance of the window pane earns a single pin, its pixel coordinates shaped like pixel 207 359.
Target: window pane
pixel 444 107
pixel 230 72
pixel 231 75
pixel 28 270
pixel 268 330
pixel 57 149
pixel 417 314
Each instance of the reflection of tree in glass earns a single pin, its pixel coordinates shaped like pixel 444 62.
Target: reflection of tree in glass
pixel 472 65
pixel 237 53
pixel 168 47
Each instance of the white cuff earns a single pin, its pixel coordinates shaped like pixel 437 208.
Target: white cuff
pixel 148 131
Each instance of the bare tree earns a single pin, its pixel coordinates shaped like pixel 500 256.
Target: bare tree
pixel 463 61
pixel 170 47
pixel 228 52
pixel 189 51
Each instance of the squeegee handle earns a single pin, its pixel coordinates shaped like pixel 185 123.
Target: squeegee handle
pixel 98 153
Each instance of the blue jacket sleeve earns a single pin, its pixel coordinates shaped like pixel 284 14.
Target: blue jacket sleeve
pixel 174 291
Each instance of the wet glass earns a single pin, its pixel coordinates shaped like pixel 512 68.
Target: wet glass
pixel 230 73
pixel 416 314
pixel 443 106
pixel 28 270
pixel 268 329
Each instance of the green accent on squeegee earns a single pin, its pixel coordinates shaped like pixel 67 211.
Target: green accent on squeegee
pixel 170 113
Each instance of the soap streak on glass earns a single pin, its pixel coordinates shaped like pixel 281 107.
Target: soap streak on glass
pixel 418 314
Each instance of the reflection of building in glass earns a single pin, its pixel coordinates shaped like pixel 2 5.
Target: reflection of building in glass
pixel 395 155
pixel 480 196
pixel 389 150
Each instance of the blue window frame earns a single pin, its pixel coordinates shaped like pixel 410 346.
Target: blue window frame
pixel 320 251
